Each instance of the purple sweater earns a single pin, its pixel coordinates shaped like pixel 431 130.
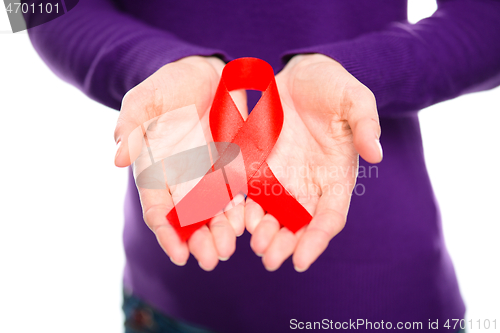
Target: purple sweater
pixel 390 262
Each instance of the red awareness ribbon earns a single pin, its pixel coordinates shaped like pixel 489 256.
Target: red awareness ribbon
pixel 256 138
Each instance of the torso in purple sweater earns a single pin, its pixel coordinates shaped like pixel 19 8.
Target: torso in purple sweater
pixel 390 262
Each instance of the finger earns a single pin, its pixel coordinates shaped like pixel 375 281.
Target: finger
pixel 363 119
pixel 201 244
pixel 173 246
pixel 327 222
pixel 263 234
pixel 156 205
pixel 223 235
pixel 236 214
pixel 281 247
pixel 253 215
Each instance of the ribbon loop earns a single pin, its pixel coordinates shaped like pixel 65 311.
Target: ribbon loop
pixel 247 73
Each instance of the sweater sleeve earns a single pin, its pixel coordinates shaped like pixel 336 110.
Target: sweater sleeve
pixel 411 66
pixel 106 52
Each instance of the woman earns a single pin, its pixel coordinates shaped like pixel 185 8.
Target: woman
pixel 389 263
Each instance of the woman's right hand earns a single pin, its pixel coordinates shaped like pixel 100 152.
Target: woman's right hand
pixel 186 82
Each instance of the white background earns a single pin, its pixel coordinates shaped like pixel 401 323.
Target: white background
pixel 61 198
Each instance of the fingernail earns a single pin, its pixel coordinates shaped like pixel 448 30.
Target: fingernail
pixel 380 148
pixel 300 270
pixel 207 270
pixel 223 258
pixel 178 264
pixel 259 254
pixel 269 269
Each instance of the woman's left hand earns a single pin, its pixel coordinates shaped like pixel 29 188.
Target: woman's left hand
pixel 330 118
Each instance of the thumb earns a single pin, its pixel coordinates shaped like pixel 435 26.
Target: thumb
pixel 130 130
pixel 362 117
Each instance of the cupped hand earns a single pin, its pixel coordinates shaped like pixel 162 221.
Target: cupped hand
pixel 160 110
pixel 330 118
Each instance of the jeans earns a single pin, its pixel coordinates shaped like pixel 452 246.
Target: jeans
pixel 142 318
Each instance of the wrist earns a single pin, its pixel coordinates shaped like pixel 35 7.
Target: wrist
pixel 305 63
pixel 310 58
pixel 204 63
